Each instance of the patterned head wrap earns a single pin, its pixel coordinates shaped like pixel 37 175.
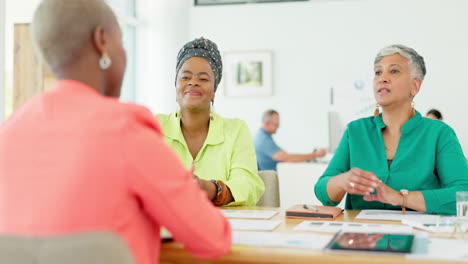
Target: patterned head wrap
pixel 204 48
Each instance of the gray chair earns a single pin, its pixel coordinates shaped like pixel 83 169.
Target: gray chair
pixel 86 248
pixel 271 197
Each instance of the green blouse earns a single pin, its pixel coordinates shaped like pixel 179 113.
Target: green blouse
pixel 228 154
pixel 429 159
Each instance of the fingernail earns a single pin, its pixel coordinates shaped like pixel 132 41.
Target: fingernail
pixel 371 189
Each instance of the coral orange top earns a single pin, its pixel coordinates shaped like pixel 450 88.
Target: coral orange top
pixel 72 160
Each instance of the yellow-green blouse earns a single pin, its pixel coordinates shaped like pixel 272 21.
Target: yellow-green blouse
pixel 228 154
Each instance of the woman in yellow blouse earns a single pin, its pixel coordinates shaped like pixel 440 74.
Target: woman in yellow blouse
pixel 221 150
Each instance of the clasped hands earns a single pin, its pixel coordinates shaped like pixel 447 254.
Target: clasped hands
pixel 205 185
pixel 360 182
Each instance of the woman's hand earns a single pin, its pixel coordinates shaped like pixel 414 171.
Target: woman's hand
pixel 354 181
pixel 320 153
pixel 207 186
pixel 385 194
pixel 360 182
pixel 210 188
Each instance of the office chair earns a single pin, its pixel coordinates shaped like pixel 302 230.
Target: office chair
pixel 271 197
pixel 85 248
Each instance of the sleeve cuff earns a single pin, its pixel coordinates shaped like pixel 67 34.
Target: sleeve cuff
pixel 431 197
pixel 241 194
pixel 429 200
pixel 321 192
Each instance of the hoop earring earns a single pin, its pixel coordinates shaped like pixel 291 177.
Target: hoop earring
pixel 377 111
pixel 212 111
pixel 105 61
pixel 413 111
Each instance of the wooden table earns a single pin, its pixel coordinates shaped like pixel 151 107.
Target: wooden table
pixel 174 253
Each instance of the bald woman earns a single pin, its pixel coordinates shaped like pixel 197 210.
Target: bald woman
pixel 75 159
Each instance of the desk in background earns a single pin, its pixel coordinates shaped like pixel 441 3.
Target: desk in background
pixel 297 181
pixel 174 253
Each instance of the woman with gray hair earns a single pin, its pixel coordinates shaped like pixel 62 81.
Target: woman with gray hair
pixel 396 159
pixel 220 150
pixel 75 159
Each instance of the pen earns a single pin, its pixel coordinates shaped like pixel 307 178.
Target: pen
pixel 310 207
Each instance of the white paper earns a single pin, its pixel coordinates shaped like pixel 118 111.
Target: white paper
pixel 259 225
pixel 274 239
pixel 336 226
pixel 440 224
pixel 393 215
pixel 444 249
pixel 252 214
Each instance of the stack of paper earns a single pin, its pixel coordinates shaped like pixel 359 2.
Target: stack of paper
pixel 259 225
pixel 252 214
pixel 391 215
pixel 268 239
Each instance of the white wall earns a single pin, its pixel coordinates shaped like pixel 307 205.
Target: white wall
pixel 320 42
pixel 20 11
pixel 163 31
pixel 314 45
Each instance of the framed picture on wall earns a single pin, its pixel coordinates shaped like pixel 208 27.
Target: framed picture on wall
pixel 247 73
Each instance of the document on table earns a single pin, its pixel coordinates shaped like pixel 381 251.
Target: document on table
pixel 393 215
pixel 444 249
pixel 273 239
pixel 258 225
pixel 441 224
pixel 335 226
pixel 253 214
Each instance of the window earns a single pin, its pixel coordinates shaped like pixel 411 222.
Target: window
pixel 126 14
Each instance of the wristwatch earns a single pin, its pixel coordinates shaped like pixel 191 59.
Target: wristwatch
pixel 219 189
pixel 404 193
